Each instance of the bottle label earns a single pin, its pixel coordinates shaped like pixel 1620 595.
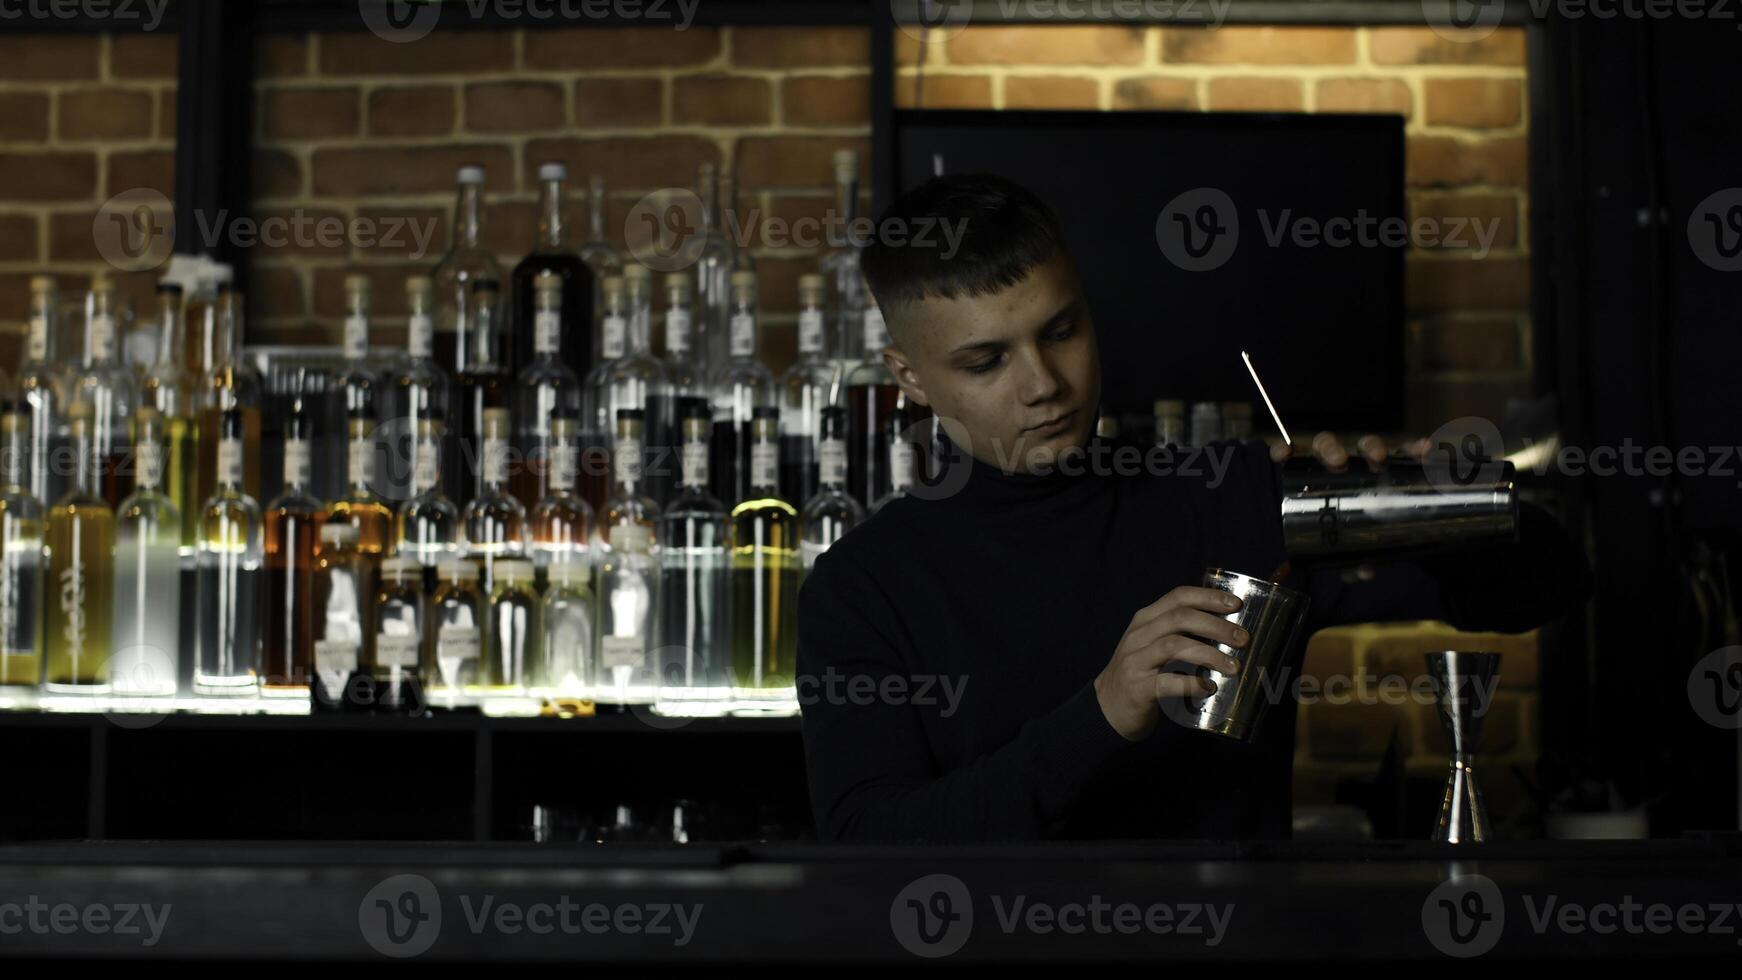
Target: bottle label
pixel 72 607
pixel 677 331
pixel 102 337
pixel 396 651
pixel 695 464
pixel 423 470
pixel 901 464
pixel 230 462
pixel 37 344
pixel 420 336
pixel 876 332
pixel 297 465
pixel 360 463
pixel 334 662
pixel 832 463
pixel 150 457
pixel 547 332
pixel 356 337
pixel 810 332
pixel 743 335
pixel 564 465
pixel 622 651
pixel 764 465
pixel 626 461
pixel 495 462
pixel 613 329
pixel 458 643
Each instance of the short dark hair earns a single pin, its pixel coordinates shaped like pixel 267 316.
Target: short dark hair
pixel 1006 232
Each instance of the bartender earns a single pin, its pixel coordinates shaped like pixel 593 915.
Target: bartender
pixel 990 663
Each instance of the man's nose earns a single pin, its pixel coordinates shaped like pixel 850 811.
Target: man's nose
pixel 1041 380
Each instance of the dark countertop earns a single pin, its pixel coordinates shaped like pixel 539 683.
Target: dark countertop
pixel 827 903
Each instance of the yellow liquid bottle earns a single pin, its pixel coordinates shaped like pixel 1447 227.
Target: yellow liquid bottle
pixel 766 536
pixel 81 579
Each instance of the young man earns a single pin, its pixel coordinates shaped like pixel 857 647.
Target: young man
pixel 989 663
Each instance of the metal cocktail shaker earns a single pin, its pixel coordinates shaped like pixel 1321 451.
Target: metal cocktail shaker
pixel 1273 615
pixel 1407 509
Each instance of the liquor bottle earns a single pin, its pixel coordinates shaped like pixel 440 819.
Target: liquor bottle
pixel 513 640
pixel 228 384
pixel 566 668
pixel 545 390
pixel 597 422
pixel 494 522
pixel 357 384
pixel 343 601
pixel 601 258
pixel 361 507
pixel 427 527
pixel 169 390
pixel 420 390
pixel 832 512
pixel 453 643
pixel 806 387
pixel 292 521
pixel 902 457
pixel 840 267
pixel 107 389
pixel 81 574
pixel 1170 423
pixel 871 398
pixel 693 637
pixel 467 263
pixel 765 579
pixel 551 255
pixel 688 384
pixel 715 265
pixel 740 387
pixel 628 505
pixel 147 619
pixel 44 385
pixel 627 600
pixel 400 616
pixel 21 638
pixel 562 522
pixel 202 315
pixel 637 380
pixel 230 557
pixel 483 387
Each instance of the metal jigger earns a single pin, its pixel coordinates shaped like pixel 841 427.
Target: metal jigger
pixel 1463 688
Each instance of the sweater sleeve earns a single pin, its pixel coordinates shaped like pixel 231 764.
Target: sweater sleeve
pixel 874 777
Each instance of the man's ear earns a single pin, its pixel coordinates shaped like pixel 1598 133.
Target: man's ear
pixel 896 361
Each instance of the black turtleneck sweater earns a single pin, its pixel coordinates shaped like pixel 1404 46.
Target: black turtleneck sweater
pixel 948 649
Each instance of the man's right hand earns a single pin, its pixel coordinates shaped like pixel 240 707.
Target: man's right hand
pixel 1173 628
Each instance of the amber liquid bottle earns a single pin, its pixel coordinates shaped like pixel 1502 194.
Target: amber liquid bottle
pixel 362 508
pixel 292 523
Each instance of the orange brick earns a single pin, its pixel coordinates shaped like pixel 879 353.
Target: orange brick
pixel 1027 45
pixel 345 172
pixel 510 226
pixel 23 117
pixel 1258 45
pixel 792 161
pixel 397 230
pixel 1466 284
pixel 1475 103
pixel 1363 95
pixel 276 174
pixel 618 101
pixel 32 57
pixel 105 114
pixel 944 92
pixel 591 48
pixel 311 113
pixel 298 234
pixel 19 238
pixel 515 107
pixel 1460 218
pixel 71 237
pixel 413 111
pixel 1487 343
pixel 1425 46
pixel 722 100
pixel 1155 93
pixel 276 292
pixel 825 100
pixel 628 163
pixel 154 170
pixel 282 56
pixel 1256 95
pixel 1051 92
pixel 1443 161
pixel 440 53
pixel 144 55
pixel 800 47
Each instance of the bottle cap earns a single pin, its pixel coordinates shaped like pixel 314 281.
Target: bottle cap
pixel 458 570
pixel 570 571
pixel 847 164
pixel 680 284
pixel 548 282
pixel 743 280
pixel 357 284
pixel 495 423
pixel 636 274
pixel 630 537
pixel 419 285
pixel 552 171
pixel 809 283
pixel 1236 410
pixel 338 534
pixel 101 283
pixel 1170 406
pixel 471 176
pixel 513 571
pixel 398 569
pixel 613 286
pixel 44 284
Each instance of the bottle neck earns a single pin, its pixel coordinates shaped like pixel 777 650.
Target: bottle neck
pixel 296 464
pixel 552 229
pixel 85 449
pixel 469 217
pixel 846 210
pixel 229 469
pixel 40 342
pixel 596 211
pixel 743 329
pixel 12 451
pixel 764 466
pixel 360 463
pixel 626 463
pixel 100 334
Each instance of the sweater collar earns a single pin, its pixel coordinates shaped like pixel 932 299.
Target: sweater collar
pixel 969 481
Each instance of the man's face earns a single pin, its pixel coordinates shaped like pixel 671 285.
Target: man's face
pixel 1018 372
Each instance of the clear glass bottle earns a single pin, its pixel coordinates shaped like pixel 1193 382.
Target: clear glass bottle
pixel 871 399
pixel 597 252
pixel 494 522
pixel 832 512
pixel 468 262
pixel 21 524
pixel 343 604
pixel 357 384
pixel 628 504
pixel 551 255
pixel 148 568
pixel 228 384
pixel 107 388
pixel 513 641
pixel 805 389
pixel 545 390
pixel 230 558
pixel 1170 423
pixel 427 527
pixel 840 267
pixel 638 380
pixel 628 590
pixel 485 385
pixel 562 522
pixel 566 666
pixel 292 524
pixel 361 507
pixel 169 390
pixel 399 616
pixel 693 640
pixel 903 457
pixel 597 422
pixel 80 549
pixel 44 386
pixel 765 582
pixel 420 389
pixel 740 387
pixel 688 384
pixel 453 644
pixel 715 265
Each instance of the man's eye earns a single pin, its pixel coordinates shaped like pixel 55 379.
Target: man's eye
pixel 984 367
pixel 1064 332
